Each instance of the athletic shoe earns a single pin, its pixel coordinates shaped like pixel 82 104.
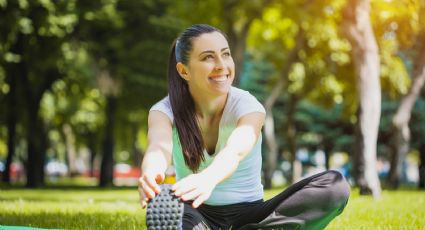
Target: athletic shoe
pixel 165 211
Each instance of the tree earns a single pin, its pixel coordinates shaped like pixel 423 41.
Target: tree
pixel 11 124
pixel 34 45
pixel 401 131
pixel 269 129
pixel 12 67
pixel 400 122
pixel 130 68
pixel 72 110
pixel 358 29
pixel 418 131
pixel 296 41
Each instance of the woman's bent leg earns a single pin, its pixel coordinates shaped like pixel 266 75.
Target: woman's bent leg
pixel 193 219
pixel 308 204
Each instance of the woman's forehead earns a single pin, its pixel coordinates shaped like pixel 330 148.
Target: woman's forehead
pixel 214 41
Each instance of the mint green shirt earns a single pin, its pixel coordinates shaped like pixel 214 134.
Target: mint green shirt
pixel 244 185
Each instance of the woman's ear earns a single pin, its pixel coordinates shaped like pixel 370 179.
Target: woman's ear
pixel 182 70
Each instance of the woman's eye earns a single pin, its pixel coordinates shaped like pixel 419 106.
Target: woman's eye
pixel 208 57
pixel 227 54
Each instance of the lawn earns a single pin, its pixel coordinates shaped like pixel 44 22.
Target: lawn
pixel 82 208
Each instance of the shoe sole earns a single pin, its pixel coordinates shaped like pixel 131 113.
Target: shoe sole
pixel 165 211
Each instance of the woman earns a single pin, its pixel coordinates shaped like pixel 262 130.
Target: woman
pixel 212 132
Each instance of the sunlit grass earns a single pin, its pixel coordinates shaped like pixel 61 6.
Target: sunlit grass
pixel 72 208
pixel 404 209
pixel 77 208
pixel 395 210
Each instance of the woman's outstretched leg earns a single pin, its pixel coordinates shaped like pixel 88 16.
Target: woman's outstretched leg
pixel 308 204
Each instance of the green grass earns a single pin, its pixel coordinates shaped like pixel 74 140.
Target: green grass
pixel 77 208
pixel 404 209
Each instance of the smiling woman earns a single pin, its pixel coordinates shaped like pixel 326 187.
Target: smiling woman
pixel 212 133
pixel 210 68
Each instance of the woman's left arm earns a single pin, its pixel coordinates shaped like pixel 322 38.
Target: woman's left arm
pixel 198 187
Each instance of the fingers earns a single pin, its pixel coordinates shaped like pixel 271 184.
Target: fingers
pixel 193 187
pixel 184 186
pixel 191 195
pixel 146 188
pixel 180 191
pixel 143 204
pixel 197 195
pixel 160 178
pixel 151 183
pixel 143 201
pixel 199 200
pixel 143 198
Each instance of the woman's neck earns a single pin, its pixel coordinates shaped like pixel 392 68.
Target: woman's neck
pixel 207 107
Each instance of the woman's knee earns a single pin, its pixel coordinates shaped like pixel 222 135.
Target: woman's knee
pixel 338 189
pixel 193 219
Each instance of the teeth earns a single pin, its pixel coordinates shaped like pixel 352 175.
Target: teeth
pixel 220 79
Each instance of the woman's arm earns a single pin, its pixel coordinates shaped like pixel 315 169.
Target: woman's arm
pixel 157 157
pixel 199 186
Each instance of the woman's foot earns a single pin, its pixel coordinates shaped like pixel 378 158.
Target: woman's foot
pixel 165 211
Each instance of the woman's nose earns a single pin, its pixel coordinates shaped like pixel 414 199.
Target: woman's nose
pixel 219 65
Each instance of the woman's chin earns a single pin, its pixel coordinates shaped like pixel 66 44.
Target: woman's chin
pixel 221 87
pixel 221 90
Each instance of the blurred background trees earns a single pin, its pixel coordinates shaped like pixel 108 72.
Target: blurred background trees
pixel 77 79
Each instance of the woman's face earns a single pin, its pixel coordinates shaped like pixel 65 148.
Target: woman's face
pixel 211 69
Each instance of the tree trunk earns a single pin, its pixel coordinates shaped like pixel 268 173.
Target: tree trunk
pixel 237 42
pixel 35 153
pixel 237 34
pixel 365 55
pixel 107 165
pixel 327 148
pixel 401 132
pixel 399 147
pixel 91 137
pixel 269 104
pixel 36 156
pixel 14 72
pixel 70 153
pixel 137 155
pixel 36 135
pixel 291 133
pixel 421 183
pixel 11 125
pixel 272 147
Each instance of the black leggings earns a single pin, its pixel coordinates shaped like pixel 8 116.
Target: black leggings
pixel 308 204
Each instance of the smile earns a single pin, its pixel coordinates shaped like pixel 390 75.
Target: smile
pixel 221 78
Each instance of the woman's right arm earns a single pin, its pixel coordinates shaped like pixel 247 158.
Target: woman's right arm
pixel 157 157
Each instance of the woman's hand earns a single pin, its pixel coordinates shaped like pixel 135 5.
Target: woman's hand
pixel 196 187
pixel 148 186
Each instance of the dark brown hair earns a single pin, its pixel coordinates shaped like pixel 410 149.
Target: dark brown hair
pixel 182 103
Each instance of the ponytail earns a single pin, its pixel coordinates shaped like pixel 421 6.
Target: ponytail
pixel 185 119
